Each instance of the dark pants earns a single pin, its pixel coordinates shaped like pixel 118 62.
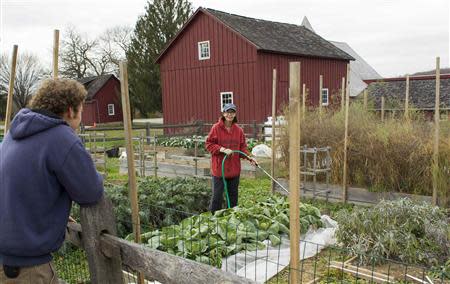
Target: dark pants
pixel 218 189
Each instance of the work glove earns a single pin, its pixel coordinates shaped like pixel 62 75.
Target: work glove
pixel 226 151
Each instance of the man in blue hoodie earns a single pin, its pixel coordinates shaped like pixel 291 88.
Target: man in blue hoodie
pixel 43 168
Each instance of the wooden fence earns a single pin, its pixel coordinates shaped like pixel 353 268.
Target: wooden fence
pixel 108 255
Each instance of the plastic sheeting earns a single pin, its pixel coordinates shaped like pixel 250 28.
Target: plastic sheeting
pixel 261 265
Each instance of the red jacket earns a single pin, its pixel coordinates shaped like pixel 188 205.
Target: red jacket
pixel 233 139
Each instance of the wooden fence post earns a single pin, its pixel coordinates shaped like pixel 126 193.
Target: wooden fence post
pixel 304 101
pixel 255 130
pixel 320 94
pixel 407 98
pixel 344 172
pixel 294 170
pixel 382 108
pixel 147 133
pixel 274 117
pixel 132 185
pixel 343 94
pixel 9 100
pixel 365 95
pixel 55 53
pixel 437 117
pixel 105 262
pixel 199 130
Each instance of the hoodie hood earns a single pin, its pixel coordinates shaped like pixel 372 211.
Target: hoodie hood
pixel 27 123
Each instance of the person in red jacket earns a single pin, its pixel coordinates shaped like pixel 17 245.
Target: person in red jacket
pixel 224 137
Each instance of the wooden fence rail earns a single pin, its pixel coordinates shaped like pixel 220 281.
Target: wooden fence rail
pixel 108 254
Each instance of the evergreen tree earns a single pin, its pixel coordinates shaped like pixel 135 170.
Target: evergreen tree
pixel 153 31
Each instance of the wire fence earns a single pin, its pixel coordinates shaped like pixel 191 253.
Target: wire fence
pixel 257 249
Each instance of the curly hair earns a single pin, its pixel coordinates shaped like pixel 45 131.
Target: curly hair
pixel 57 95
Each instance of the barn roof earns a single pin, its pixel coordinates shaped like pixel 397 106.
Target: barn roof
pixel 271 36
pixel 360 70
pixel 421 92
pixel 281 37
pixel 95 83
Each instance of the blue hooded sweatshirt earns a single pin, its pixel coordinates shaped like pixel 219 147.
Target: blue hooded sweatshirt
pixel 43 168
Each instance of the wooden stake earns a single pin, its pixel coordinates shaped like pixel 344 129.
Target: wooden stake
pixel 55 53
pixel 304 101
pixel 436 133
pixel 382 108
pixel 130 155
pixel 294 170
pixel 365 95
pixel 347 105
pixel 320 94
pixel 343 93
pixel 407 98
pixel 274 116
pixel 9 102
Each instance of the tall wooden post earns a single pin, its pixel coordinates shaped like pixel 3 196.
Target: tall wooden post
pixel 382 108
pixel 130 155
pixel 320 94
pixel 9 102
pixel 436 133
pixel 407 98
pixel 347 105
pixel 343 94
pixel 274 117
pixel 294 170
pixel 55 53
pixel 304 101
pixel 365 95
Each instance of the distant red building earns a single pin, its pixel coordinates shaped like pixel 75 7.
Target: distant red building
pixel 218 58
pixel 103 100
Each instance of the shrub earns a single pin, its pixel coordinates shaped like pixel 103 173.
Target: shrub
pixel 390 156
pixel 401 230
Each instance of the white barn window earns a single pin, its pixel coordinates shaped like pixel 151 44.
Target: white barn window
pixel 203 50
pixel 325 97
pixel 110 109
pixel 225 98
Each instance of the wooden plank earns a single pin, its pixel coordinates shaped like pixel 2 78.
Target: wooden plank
pixel 167 268
pixel 435 166
pixel 363 270
pixel 347 105
pixel 362 275
pixel 294 173
pixel 10 101
pixel 55 53
pixel 274 117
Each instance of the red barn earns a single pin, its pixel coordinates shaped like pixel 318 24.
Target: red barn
pixel 103 102
pixel 218 57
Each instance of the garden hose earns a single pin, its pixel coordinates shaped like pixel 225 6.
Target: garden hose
pixel 225 184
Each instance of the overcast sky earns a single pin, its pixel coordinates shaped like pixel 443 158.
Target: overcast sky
pixel 396 37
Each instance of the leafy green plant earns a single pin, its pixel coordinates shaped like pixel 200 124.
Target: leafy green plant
pixel 208 238
pixel 162 201
pixel 414 233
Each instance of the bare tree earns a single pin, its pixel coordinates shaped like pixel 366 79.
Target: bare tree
pixel 114 43
pixel 29 72
pixel 82 57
